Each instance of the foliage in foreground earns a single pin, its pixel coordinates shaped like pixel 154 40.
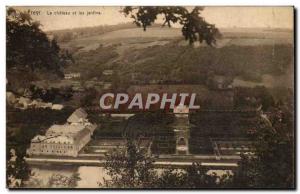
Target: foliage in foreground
pixel 273 165
pixel 133 167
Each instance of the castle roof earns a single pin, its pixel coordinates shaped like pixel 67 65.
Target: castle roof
pixel 64 134
pixel 77 116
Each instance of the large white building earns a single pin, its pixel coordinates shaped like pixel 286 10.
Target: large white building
pixel 64 140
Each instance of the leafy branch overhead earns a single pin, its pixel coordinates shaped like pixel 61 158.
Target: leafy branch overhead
pixel 194 26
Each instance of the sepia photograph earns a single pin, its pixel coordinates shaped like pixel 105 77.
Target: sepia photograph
pixel 150 97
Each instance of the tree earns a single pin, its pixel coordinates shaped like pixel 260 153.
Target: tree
pixel 17 170
pixel 89 97
pixel 133 167
pixel 194 176
pixel 130 167
pixel 197 177
pixel 272 165
pixel 28 47
pixel 171 178
pixel 194 26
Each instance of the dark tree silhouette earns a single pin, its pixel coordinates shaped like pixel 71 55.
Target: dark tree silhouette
pixel 133 167
pixel 28 47
pixel 273 163
pixel 194 26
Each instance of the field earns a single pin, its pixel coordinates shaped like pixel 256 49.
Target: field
pixel 136 36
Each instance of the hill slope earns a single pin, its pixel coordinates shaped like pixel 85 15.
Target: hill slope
pixel 162 54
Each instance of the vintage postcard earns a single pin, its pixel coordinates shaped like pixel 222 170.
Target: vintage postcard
pixel 140 97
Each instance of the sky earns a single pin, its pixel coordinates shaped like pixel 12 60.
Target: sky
pixel 52 18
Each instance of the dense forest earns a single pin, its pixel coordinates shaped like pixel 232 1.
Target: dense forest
pixel 179 64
